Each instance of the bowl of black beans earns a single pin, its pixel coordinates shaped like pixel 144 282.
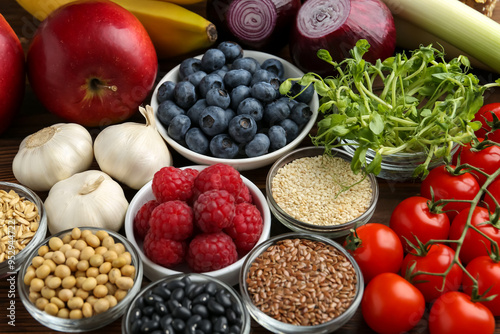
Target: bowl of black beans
pixel 187 303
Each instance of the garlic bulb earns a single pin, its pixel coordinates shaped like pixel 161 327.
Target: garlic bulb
pixel 89 198
pixel 132 152
pixel 53 154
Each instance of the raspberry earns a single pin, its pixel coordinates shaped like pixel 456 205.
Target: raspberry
pixel 141 219
pixel 247 226
pixel 162 251
pixel 218 176
pixel 244 195
pixel 170 183
pixel 211 251
pixel 172 220
pixel 214 210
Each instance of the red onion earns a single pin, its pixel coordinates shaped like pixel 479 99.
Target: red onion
pixel 336 26
pixel 256 24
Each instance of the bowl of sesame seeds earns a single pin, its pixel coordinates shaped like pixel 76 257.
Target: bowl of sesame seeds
pixel 301 283
pixel 310 190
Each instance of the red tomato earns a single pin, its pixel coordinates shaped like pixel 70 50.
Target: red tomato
pixel 376 249
pixel 494 189
pixel 485 113
pixel 455 312
pixel 412 218
pixel 474 244
pixel 487 273
pixel 391 304
pixel 437 259
pixel 449 186
pixel 486 159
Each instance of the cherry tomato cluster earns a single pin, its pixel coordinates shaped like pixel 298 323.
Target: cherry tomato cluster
pixel 439 251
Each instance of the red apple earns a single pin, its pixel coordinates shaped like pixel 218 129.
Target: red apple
pixel 92 63
pixel 12 74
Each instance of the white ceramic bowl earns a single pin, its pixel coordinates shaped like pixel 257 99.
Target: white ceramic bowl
pixel 241 164
pixel 154 271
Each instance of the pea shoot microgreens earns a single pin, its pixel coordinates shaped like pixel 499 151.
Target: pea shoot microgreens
pixel 419 103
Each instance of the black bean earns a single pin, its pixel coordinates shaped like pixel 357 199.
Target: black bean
pixel 157 331
pixel 172 304
pixel 139 303
pixel 223 298
pixel 221 325
pixel 152 299
pixel 202 298
pixel 161 309
pixel 186 280
pixel 193 320
pixel 162 291
pixel 198 331
pixel 234 329
pixel 148 310
pixel 181 313
pixel 149 326
pixel 166 321
pixel 168 330
pixel 178 294
pixel 196 290
pixel 205 326
pixel 172 285
pixel 200 309
pixel 135 327
pixel 178 325
pixel 135 314
pixel 187 303
pixel 156 317
pixel 237 309
pixel 211 288
pixel 215 308
pixel 231 316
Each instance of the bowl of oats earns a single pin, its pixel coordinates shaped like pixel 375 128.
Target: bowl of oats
pixel 314 191
pixel 23 224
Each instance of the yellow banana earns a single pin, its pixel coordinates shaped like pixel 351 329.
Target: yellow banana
pixel 174 30
pixel 184 2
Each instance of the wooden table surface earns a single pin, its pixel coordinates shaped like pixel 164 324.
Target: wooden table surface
pixel 33 117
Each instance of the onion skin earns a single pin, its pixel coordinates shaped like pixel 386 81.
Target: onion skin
pixel 271 35
pixel 315 28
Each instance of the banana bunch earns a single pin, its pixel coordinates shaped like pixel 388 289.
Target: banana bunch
pixel 174 29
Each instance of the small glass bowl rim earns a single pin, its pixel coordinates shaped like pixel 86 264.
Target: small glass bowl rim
pixel 303 226
pixel 277 326
pixel 199 277
pixel 40 234
pixel 84 324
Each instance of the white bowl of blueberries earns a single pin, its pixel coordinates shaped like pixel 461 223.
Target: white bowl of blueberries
pixel 225 107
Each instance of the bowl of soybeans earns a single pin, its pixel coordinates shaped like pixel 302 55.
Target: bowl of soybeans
pixel 315 191
pixel 80 279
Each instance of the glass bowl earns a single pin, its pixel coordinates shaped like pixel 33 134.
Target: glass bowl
pixel 190 282
pixel 84 324
pixel 273 288
pixel 295 224
pixel 398 167
pixel 12 265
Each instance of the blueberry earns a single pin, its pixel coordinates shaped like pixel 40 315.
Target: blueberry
pixel 236 78
pixel 262 76
pixel 242 128
pixel 291 102
pixel 248 63
pixel 275 112
pixel 263 91
pixel 185 94
pixel 195 77
pixel 275 66
pixel 195 111
pixel 165 91
pixel 221 72
pixel 189 66
pixel 168 110
pixel 231 50
pixel 303 94
pixel 213 121
pixel 218 97
pixel 223 146
pixel 212 60
pixel 209 81
pixel 251 106
pixel 291 129
pixel 258 146
pixel 238 94
pixel 300 113
pixel 197 141
pixel 229 114
pixel 178 127
pixel 277 137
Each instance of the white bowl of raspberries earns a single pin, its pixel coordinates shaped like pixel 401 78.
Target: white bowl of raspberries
pixel 202 219
pixel 225 107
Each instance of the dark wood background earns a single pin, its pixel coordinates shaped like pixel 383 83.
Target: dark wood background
pixel 33 117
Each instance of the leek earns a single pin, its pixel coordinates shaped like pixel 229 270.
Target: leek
pixel 454 22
